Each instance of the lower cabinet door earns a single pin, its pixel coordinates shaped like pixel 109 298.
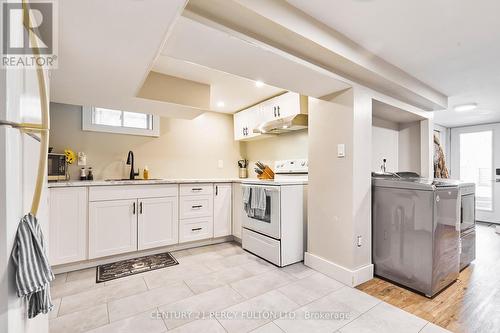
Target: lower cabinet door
pixel 222 210
pixel 67 225
pixel 158 223
pixel 112 227
pixel 237 209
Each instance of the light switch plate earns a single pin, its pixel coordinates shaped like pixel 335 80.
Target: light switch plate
pixel 220 164
pixel 82 159
pixel 341 150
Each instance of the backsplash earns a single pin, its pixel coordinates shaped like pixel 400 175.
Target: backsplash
pixel 280 147
pixel 185 148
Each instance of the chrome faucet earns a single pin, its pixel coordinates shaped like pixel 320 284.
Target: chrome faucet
pixel 130 161
pixel 383 167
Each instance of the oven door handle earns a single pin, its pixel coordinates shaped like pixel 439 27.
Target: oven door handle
pixel 267 188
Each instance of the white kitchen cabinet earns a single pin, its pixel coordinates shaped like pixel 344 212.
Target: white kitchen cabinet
pixel 282 106
pixel 222 209
pixel 196 229
pixel 239 123
pixel 237 212
pixel 194 206
pixel 244 123
pixel 67 225
pixel 196 189
pixel 112 227
pixel 157 222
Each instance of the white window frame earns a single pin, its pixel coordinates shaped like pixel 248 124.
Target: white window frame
pixel 88 125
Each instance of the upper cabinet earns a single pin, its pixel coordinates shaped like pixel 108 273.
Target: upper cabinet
pixel 245 121
pixel 282 106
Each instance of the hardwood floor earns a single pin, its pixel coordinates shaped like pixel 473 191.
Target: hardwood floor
pixel 471 304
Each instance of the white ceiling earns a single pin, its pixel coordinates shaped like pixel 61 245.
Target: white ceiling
pixel 236 92
pixel 226 53
pixel 453 46
pixel 393 114
pixel 106 49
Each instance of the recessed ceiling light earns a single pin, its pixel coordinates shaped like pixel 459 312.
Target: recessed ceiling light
pixel 465 107
pixel 220 104
pixel 259 84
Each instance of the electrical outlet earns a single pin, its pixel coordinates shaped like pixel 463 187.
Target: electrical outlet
pixel 360 239
pixel 220 164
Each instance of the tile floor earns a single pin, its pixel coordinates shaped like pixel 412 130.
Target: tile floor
pixel 221 288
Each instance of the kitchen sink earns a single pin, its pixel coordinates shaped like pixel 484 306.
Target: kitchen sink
pixel 127 179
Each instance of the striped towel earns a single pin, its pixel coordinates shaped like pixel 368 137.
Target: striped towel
pixel 33 272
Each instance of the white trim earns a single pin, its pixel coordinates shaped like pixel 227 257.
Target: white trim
pixel 63 268
pixel 349 277
pixel 87 125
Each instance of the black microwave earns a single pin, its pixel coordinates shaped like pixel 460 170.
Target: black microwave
pixel 56 167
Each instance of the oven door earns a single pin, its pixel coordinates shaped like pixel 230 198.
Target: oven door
pixel 467 212
pixel 269 224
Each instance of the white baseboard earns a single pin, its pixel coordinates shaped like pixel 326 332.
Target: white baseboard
pixel 349 277
pixel 100 261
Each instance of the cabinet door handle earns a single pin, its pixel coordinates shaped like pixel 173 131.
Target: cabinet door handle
pixel 133 208
pixel 195 229
pixel 216 189
pixel 140 208
pixel 196 206
pixel 279 112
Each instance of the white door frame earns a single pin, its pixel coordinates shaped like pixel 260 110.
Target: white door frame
pixel 481 215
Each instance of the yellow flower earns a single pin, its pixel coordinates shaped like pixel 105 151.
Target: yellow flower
pixel 70 156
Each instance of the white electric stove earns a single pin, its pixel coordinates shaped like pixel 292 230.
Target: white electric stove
pixel 279 235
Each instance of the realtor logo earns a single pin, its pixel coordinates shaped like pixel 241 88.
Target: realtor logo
pixel 29 34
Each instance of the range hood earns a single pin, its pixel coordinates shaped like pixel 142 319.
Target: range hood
pixel 283 125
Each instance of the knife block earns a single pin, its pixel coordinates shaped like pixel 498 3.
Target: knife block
pixel 268 174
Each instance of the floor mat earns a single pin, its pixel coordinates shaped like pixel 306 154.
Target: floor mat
pixel 129 267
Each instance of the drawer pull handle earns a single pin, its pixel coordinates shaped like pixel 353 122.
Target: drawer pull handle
pixel 196 189
pixel 196 229
pixel 196 206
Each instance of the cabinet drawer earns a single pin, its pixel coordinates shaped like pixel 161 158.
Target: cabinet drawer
pixel 196 229
pixel 123 192
pixel 263 246
pixel 196 206
pixel 196 189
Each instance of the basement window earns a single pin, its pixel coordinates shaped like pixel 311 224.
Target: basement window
pixel 98 119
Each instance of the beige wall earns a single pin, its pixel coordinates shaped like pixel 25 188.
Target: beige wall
pixel 280 147
pixel 167 88
pixel 399 143
pixel 409 147
pixel 330 219
pixel 185 148
pixel 385 137
pixel 339 201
